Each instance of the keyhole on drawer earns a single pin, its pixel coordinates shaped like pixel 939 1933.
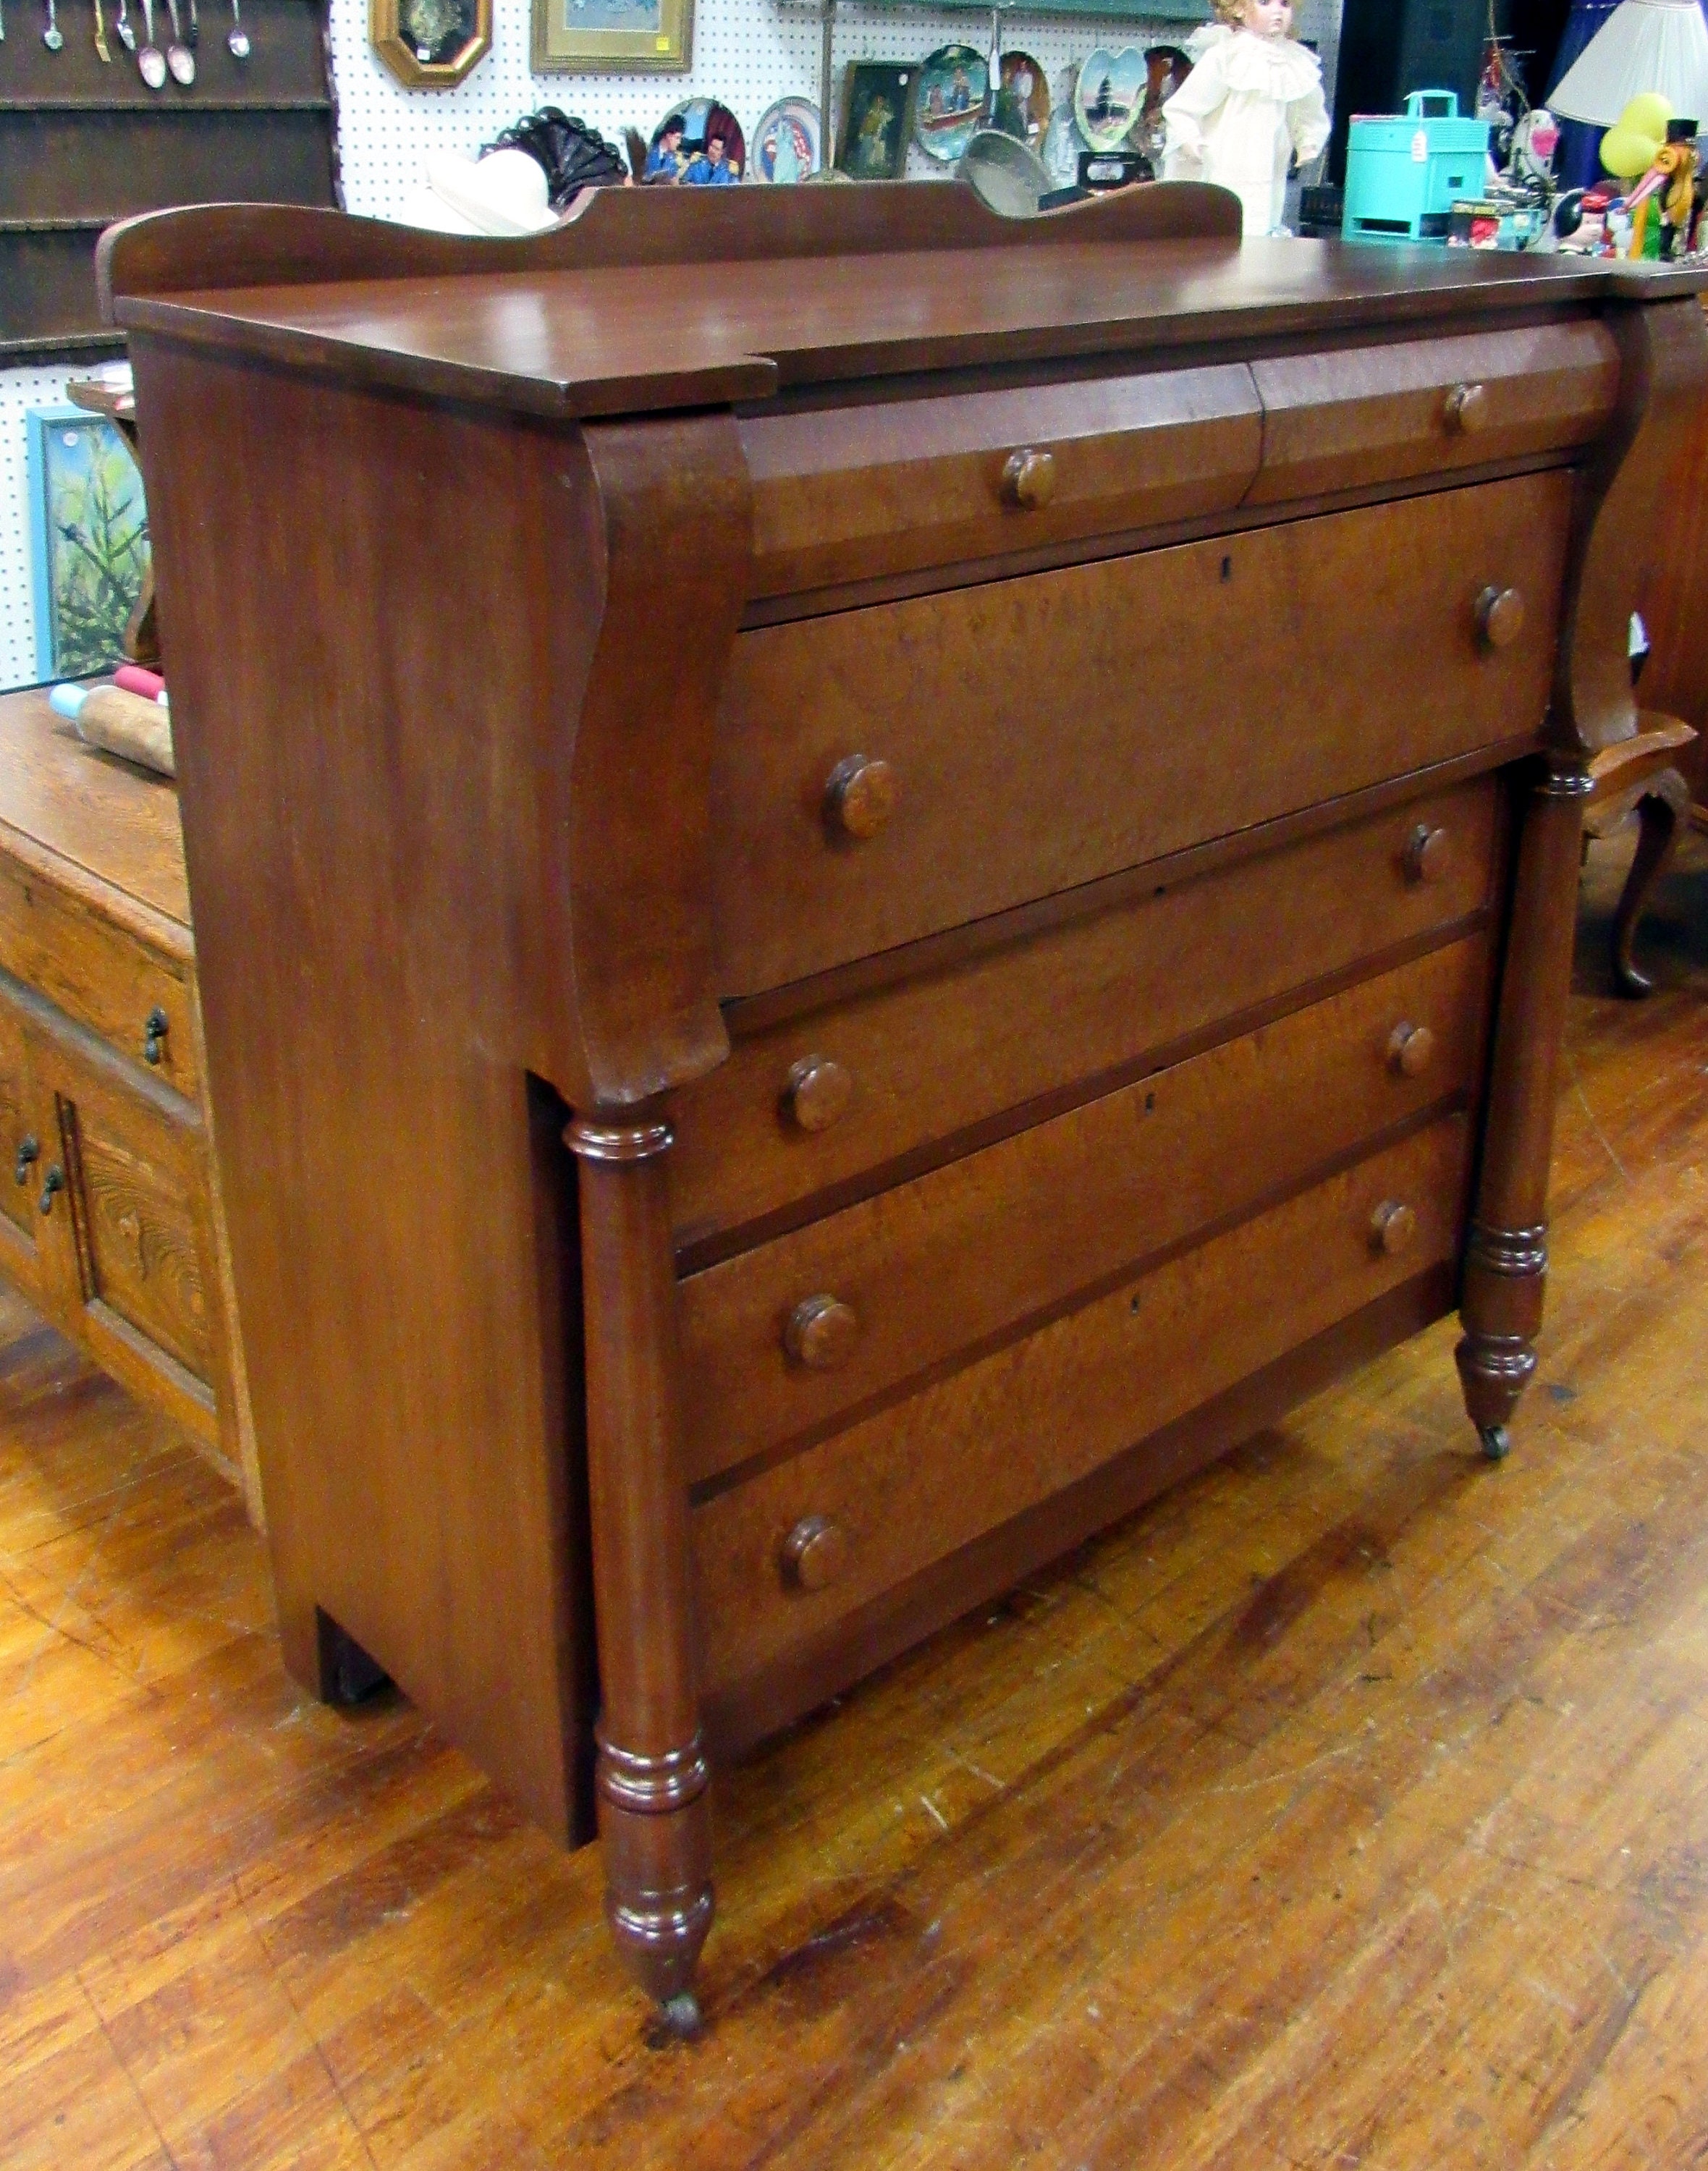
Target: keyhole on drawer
pixel 131 1228
pixel 1150 1102
pixel 1227 569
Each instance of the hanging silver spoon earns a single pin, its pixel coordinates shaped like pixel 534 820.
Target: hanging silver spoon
pixel 178 57
pixel 128 37
pixel 237 38
pixel 151 62
pixel 52 37
pixel 195 37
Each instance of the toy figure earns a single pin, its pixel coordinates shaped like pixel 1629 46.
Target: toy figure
pixel 1672 179
pixel 1253 101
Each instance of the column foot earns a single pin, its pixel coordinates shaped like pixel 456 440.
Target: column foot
pixel 1497 1442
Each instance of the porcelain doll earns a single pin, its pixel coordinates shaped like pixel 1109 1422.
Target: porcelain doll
pixel 1253 100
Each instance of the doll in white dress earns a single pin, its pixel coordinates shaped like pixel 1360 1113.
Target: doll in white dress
pixel 1253 98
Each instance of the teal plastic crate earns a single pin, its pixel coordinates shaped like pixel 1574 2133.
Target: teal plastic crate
pixel 1405 172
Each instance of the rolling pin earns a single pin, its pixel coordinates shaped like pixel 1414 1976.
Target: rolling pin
pixel 120 723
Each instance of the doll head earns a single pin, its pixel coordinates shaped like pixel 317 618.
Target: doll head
pixel 1266 18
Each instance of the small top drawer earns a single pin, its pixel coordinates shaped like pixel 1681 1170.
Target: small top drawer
pixel 137 998
pixel 1368 415
pixel 845 494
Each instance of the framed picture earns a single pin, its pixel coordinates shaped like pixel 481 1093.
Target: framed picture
pixel 629 37
pixel 877 119
pixel 89 537
pixel 430 44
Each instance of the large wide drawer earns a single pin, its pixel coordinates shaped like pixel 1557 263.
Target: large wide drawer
pixel 781 1558
pixel 844 493
pixel 786 1338
pixel 1360 416
pixel 1038 733
pixel 828 1099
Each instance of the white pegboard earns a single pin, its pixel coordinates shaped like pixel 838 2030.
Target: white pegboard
pixel 746 53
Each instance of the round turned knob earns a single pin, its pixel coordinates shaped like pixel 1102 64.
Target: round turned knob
pixel 821 1332
pixel 1393 1226
pixel 1429 854
pixel 1500 616
pixel 1410 1048
pixel 816 1093
pixel 860 797
pixel 1466 410
pixel 813 1554
pixel 1028 479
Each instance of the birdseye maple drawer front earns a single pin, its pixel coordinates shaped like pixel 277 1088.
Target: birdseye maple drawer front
pixel 843 494
pixel 823 1099
pixel 882 775
pixel 1359 415
pixel 789 1335
pixel 784 1555
pixel 100 974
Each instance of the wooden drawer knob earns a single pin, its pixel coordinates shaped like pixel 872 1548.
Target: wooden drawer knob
pixel 821 1332
pixel 1028 479
pixel 860 797
pixel 1500 616
pixel 815 1554
pixel 1410 1049
pixel 1393 1227
pixel 1429 854
pixel 816 1093
pixel 1466 410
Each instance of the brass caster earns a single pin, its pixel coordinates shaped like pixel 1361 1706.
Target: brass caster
pixel 1498 1443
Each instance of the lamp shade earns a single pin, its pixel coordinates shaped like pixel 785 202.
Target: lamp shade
pixel 1645 45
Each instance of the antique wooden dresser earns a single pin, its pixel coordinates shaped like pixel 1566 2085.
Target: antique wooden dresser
pixel 865 881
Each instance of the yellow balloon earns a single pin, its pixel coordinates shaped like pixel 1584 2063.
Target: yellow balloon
pixel 1648 114
pixel 1627 153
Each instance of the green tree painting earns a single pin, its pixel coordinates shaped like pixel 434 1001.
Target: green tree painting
pixel 96 545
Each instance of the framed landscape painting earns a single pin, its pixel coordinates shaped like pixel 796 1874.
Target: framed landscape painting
pixel 89 538
pixel 591 37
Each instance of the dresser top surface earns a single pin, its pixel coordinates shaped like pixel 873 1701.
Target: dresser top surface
pixel 642 304
pixel 98 813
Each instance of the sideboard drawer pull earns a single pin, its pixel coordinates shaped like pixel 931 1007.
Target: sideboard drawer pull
pixel 1410 1048
pixel 1393 1227
pixel 816 1093
pixel 1028 479
pixel 859 796
pixel 155 1027
pixel 1500 616
pixel 1429 854
pixel 1466 410
pixel 56 1181
pixel 821 1332
pixel 28 1151
pixel 813 1554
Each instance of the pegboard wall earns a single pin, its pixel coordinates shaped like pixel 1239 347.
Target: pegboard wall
pixel 746 53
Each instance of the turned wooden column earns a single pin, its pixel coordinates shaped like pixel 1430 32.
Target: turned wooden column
pixel 651 1775
pixel 1507 1251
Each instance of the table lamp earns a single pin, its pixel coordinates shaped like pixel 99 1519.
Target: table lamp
pixel 1658 45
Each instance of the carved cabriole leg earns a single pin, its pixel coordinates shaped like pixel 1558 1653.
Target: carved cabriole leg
pixel 1505 1254
pixel 651 1774
pixel 1660 813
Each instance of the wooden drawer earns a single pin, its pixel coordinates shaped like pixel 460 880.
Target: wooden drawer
pixel 141 1291
pixel 915 1482
pixel 1041 733
pixel 902 1071
pixel 789 1337
pixel 100 974
pixel 845 493
pixel 1342 421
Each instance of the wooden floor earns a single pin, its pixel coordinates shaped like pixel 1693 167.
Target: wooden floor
pixel 1349 1808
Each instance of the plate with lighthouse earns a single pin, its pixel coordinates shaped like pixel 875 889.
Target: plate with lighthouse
pixel 1110 95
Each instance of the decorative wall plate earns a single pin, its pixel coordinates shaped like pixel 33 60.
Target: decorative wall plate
pixel 699 144
pixel 1110 95
pixel 1064 139
pixel 788 143
pixel 952 87
pixel 1023 102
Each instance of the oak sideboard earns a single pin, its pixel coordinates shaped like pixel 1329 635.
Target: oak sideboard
pixel 866 880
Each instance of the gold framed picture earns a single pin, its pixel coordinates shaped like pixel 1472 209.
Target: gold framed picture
pixel 590 37
pixel 429 45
